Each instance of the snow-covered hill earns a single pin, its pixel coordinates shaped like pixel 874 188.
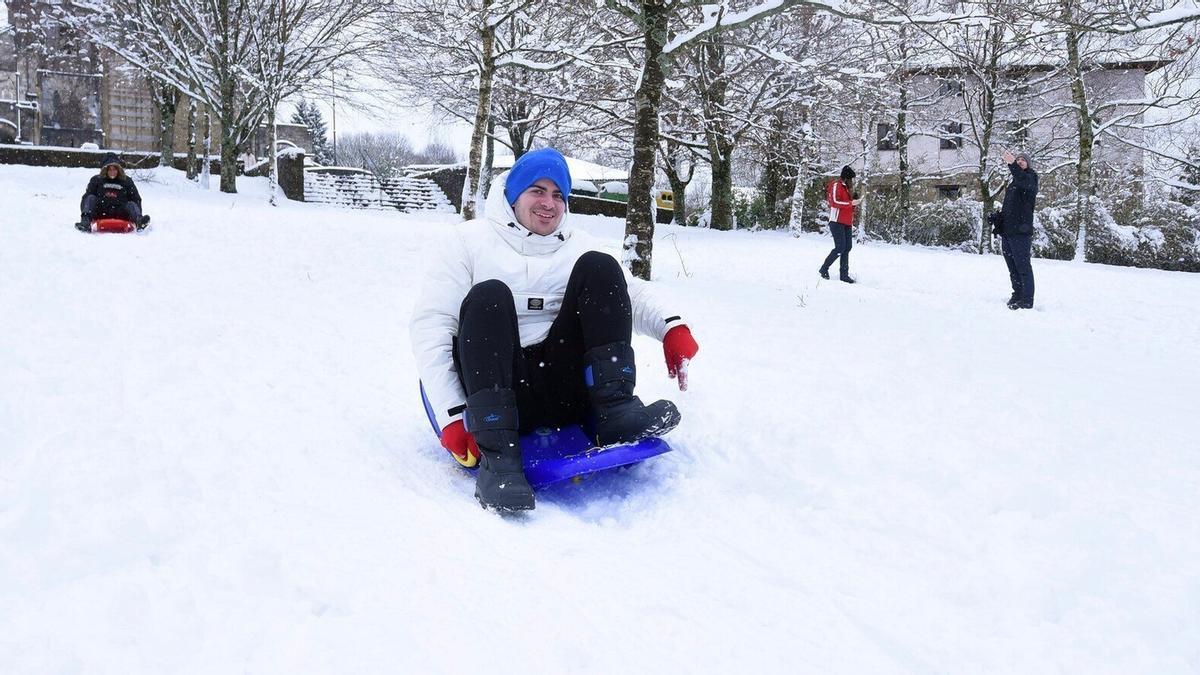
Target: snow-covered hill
pixel 213 459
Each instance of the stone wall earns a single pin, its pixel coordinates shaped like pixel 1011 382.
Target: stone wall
pixel 88 159
pixel 291 175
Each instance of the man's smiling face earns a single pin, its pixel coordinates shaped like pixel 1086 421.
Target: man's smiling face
pixel 540 207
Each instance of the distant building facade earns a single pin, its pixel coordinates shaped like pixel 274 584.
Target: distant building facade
pixel 58 88
pixel 943 156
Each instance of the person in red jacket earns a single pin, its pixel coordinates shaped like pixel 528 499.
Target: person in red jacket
pixel 842 199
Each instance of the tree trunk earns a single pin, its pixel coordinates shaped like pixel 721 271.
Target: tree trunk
pixel 865 138
pixel 679 198
pixel 166 99
pixel 489 160
pixel 229 144
pixel 988 121
pixel 720 146
pixel 639 218
pixel 902 156
pixel 722 189
pixel 273 157
pixel 191 150
pixel 206 163
pixel 904 187
pixel 472 186
pixel 796 224
pixel 1085 189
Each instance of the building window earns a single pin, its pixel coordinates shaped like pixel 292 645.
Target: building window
pixel 885 135
pixel 949 87
pixel 950 192
pixel 1017 131
pixel 952 136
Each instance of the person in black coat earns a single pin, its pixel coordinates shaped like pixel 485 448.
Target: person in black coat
pixel 1015 227
pixel 111 194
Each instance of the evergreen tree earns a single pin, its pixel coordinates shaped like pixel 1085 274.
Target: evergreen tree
pixel 1191 176
pixel 309 115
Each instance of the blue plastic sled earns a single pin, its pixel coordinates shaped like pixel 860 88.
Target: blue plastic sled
pixel 553 455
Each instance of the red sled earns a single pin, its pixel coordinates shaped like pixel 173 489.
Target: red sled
pixel 116 225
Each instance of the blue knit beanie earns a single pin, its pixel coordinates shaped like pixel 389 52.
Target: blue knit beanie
pixel 534 166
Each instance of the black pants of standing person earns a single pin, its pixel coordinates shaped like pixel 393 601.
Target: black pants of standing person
pixel 842 243
pixel 1017 249
pixel 548 376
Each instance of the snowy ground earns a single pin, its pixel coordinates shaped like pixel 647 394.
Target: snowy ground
pixel 213 459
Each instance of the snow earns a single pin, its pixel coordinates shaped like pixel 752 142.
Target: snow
pixel 213 458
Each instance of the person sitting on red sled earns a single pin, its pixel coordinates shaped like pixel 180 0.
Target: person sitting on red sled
pixel 111 194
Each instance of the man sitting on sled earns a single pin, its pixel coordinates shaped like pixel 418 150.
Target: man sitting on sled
pixel 523 324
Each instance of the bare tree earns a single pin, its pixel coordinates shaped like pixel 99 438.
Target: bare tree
pixel 1088 38
pixel 454 55
pixel 238 57
pixel 294 42
pixel 380 153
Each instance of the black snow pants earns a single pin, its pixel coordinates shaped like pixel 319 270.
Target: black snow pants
pixel 1017 249
pixel 95 207
pixel 548 376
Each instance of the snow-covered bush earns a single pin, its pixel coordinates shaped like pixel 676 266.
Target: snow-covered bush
pixel 952 224
pixel 880 216
pixel 1054 229
pixel 1162 234
pixel 1108 241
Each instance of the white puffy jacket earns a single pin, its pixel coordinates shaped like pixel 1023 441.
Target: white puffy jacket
pixel 496 246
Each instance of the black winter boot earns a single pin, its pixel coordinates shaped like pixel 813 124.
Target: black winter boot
pixel 491 417
pixel 84 224
pixel 621 417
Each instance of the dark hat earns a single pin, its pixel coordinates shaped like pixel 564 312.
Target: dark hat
pixel 847 172
pixel 534 166
pixel 109 159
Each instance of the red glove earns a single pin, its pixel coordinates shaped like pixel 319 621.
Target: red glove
pixel 460 443
pixel 679 347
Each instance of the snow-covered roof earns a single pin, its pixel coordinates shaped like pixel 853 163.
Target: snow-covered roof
pixel 1140 51
pixel 579 168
